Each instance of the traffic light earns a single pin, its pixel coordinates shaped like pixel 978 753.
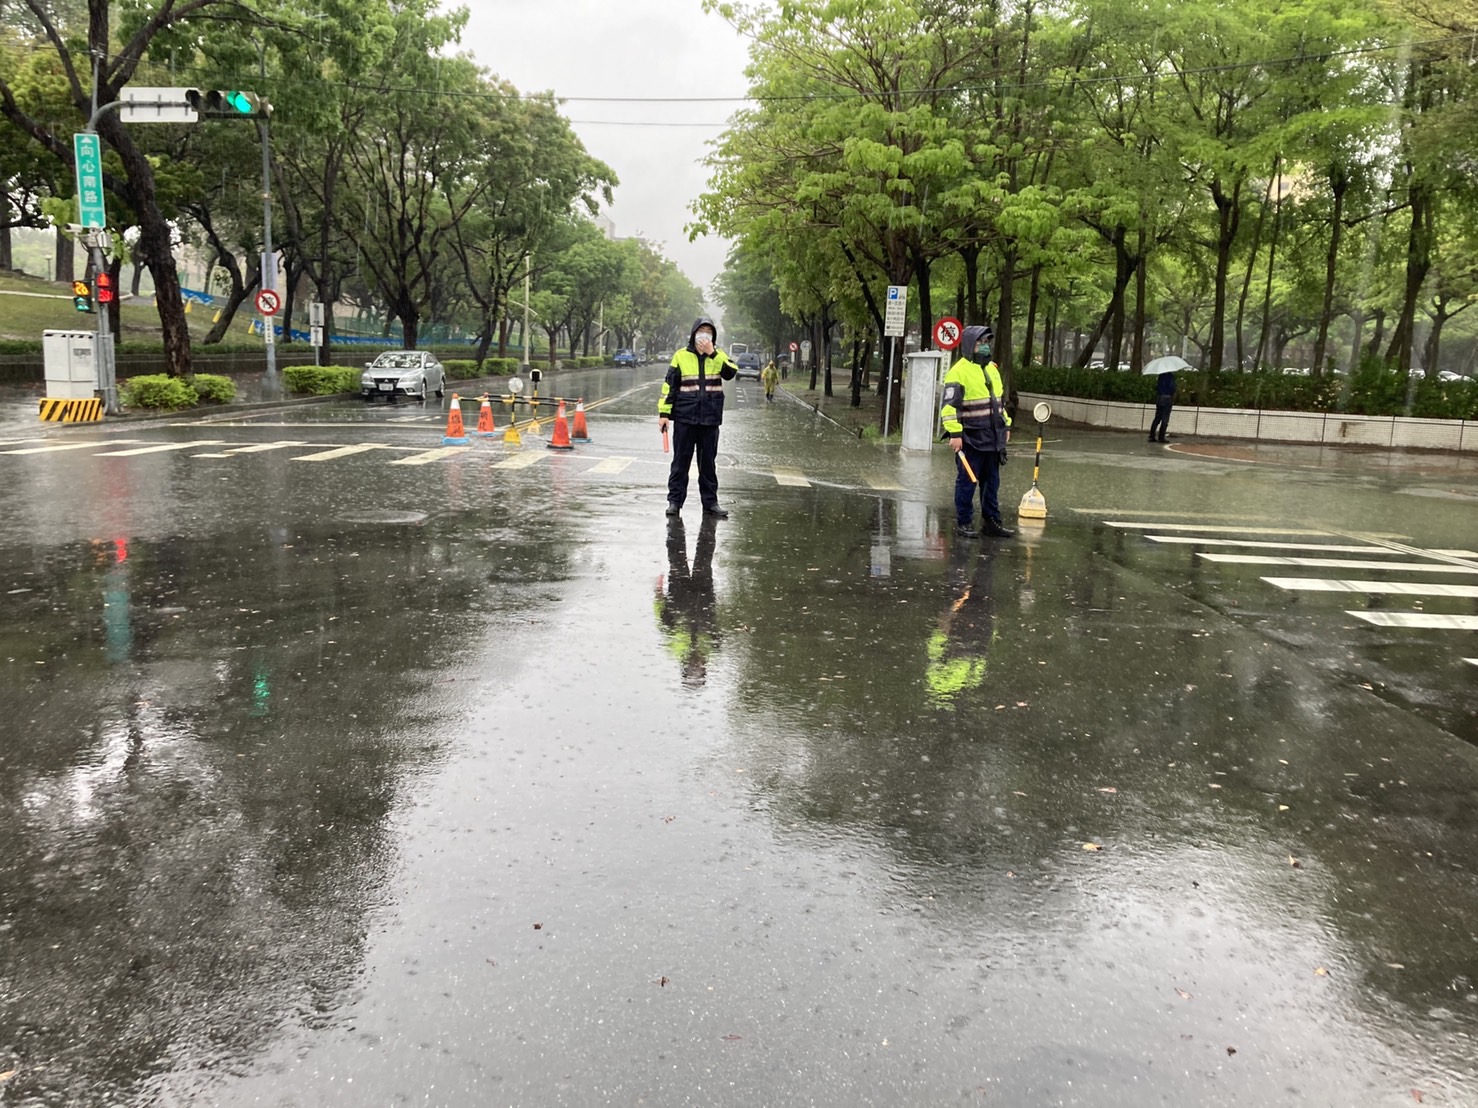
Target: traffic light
pixel 104 284
pixel 82 296
pixel 227 104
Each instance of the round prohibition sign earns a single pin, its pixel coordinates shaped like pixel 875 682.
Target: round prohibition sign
pixel 793 348
pixel 947 333
pixel 268 302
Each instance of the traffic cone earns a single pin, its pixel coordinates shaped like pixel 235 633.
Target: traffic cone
pixel 560 440
pixel 580 432
pixel 455 434
pixel 485 426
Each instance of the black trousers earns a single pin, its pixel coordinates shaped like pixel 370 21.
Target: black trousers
pixel 1161 421
pixel 689 439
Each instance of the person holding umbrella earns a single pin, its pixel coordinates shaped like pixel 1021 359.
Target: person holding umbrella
pixel 1165 384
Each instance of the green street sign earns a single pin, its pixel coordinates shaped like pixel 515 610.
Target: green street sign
pixel 89 155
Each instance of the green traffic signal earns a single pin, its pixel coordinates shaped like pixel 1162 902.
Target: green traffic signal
pixel 82 303
pixel 243 102
pixel 227 103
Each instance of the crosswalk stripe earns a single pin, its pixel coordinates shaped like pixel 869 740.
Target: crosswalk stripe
pixel 430 456
pixel 1455 553
pixel 1334 563
pixel 520 461
pixel 881 483
pixel 263 447
pixel 1418 620
pixel 70 446
pixel 1400 588
pixel 1210 529
pixel 794 478
pixel 611 466
pixel 339 452
pixel 1471 661
pixel 159 448
pixel 1192 540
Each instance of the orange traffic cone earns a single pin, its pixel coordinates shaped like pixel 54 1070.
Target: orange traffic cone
pixel 455 434
pixel 485 417
pixel 580 432
pixel 560 440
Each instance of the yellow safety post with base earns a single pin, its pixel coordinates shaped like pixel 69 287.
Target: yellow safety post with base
pixel 1033 503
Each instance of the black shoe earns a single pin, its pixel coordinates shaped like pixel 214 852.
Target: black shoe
pixel 716 512
pixel 1153 439
pixel 998 530
pixel 965 531
pixel 673 509
pixel 1164 438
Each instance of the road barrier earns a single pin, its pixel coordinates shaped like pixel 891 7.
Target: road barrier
pixel 89 410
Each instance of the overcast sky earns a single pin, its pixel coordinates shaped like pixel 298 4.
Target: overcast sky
pixel 583 49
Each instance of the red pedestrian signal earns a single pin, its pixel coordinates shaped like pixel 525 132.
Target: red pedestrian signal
pixel 105 288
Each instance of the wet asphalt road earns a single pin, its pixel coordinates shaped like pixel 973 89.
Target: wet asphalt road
pixel 342 776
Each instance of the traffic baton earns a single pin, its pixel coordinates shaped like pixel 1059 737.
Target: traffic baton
pixel 970 473
pixel 664 440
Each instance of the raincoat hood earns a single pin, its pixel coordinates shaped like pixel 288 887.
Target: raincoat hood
pixel 972 338
pixel 701 321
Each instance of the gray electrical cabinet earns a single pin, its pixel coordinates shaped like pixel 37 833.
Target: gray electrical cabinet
pixel 923 380
pixel 71 364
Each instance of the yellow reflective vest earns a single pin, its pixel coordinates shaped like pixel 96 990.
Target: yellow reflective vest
pixel 694 389
pixel 974 405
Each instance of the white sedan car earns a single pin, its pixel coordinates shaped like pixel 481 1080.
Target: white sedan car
pixel 403 373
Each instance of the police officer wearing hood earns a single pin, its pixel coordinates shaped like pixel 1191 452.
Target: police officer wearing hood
pixel 693 399
pixel 974 415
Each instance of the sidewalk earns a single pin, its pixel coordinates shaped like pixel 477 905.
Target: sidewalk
pixel 863 422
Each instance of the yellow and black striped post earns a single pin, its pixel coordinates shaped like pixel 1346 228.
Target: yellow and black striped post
pixel 89 410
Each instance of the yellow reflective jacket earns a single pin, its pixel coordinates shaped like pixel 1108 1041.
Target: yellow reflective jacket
pixel 974 405
pixel 694 389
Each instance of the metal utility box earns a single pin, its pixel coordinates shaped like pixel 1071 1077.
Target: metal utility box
pixel 924 372
pixel 71 364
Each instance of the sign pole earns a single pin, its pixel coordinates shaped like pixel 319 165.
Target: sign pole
pixel 888 393
pixel 269 263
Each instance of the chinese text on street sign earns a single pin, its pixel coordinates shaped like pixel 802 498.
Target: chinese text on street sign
pixel 896 311
pixel 89 156
pixel 947 333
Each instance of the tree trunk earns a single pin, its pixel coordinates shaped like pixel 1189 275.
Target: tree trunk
pixel 7 260
pixel 1380 333
pixel 1137 351
pixel 971 257
pixel 156 237
pixel 1339 184
pixel 1031 318
pixel 1049 334
pixel 1357 317
pixel 65 257
pixel 1418 263
pixel 856 373
pixel 926 303
pixel 1004 311
pixel 1262 215
pixel 1267 292
pixel 1228 210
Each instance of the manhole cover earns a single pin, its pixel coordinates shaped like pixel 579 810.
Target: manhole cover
pixel 408 518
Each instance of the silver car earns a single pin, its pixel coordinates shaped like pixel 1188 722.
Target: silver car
pixel 403 373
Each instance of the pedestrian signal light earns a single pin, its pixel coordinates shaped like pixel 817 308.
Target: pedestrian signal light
pixel 105 288
pixel 82 296
pixel 227 103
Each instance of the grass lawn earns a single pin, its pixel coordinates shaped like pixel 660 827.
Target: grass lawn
pixel 25 317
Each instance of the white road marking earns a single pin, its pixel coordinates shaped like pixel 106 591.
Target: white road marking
pixel 520 461
pixel 70 446
pixel 611 466
pixel 1455 553
pixel 1335 563
pixel 1192 540
pixel 794 478
pixel 431 456
pixel 258 448
pixel 1418 620
pixel 339 452
pixel 158 448
pixel 1401 588
pixel 1471 661
pixel 1211 529
pixel 881 483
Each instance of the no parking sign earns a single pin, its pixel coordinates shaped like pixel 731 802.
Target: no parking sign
pixel 947 333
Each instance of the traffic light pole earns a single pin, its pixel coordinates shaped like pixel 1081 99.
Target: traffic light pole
pixel 269 264
pixel 107 368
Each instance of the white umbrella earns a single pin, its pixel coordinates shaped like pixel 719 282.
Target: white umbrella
pixel 1170 363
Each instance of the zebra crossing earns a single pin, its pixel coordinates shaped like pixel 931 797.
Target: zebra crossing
pixel 1418 571
pixel 299 450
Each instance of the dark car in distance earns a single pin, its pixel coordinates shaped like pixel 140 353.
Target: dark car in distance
pixel 748 364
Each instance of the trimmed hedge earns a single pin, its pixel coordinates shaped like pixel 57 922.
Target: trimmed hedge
pixel 213 388
pixel 158 391
pixel 321 380
pixel 1372 390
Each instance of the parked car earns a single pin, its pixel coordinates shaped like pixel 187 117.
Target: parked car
pixel 748 364
pixel 403 373
pixel 625 357
pixel 664 357
pixel 1449 375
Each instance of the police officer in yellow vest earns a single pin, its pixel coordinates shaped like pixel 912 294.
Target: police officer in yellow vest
pixel 974 415
pixel 693 399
